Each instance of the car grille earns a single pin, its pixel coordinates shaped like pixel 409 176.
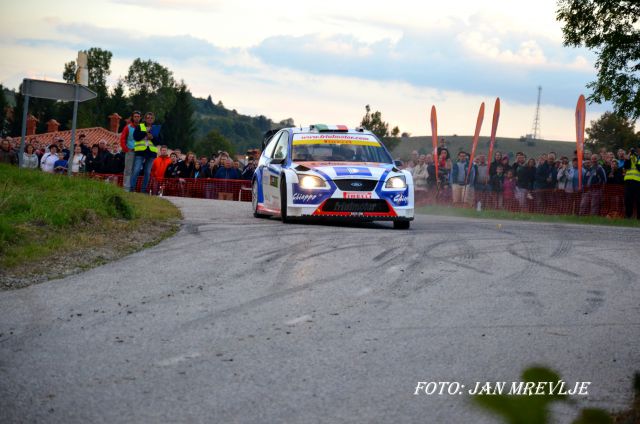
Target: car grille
pixel 356 185
pixel 356 205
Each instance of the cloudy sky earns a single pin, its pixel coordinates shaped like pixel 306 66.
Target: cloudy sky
pixel 323 61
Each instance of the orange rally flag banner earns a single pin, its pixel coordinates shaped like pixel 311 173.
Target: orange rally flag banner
pixel 476 135
pixel 581 111
pixel 494 129
pixel 434 138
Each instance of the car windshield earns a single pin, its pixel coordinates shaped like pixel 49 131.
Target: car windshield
pixel 338 148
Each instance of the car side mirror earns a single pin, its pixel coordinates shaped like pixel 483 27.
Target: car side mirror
pixel 398 163
pixel 278 161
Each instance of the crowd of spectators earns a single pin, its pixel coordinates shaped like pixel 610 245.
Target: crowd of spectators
pixel 99 159
pixel 534 184
pixel 54 158
pixel 546 183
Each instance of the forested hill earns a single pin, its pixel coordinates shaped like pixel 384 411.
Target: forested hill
pixel 242 131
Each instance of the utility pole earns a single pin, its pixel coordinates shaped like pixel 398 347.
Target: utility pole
pixel 535 131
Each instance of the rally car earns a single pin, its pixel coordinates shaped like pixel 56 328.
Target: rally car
pixel 331 172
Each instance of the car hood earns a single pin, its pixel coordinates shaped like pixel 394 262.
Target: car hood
pixel 337 170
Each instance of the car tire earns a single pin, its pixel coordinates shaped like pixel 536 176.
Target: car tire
pixel 401 225
pixel 254 200
pixel 283 200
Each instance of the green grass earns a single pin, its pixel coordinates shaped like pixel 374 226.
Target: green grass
pixel 521 216
pixel 44 215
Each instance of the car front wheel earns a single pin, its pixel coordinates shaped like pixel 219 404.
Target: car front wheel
pixel 401 225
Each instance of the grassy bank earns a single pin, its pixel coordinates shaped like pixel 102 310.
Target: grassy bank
pixel 52 224
pixel 520 216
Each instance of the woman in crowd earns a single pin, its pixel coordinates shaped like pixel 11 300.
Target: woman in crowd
pixel 497 160
pixel 30 158
pixel 444 169
pixel 615 175
pixel 93 162
pixel 524 185
pixel 496 184
pixel 186 168
pixel 420 174
pixel 77 164
pixel 49 159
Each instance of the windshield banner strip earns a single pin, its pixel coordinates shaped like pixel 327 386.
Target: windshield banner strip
pixel 339 141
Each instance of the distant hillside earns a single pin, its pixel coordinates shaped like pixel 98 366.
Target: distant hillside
pixel 455 143
pixel 242 131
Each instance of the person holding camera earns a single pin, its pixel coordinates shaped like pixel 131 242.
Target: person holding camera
pixel 249 170
pixel 146 137
pixel 632 184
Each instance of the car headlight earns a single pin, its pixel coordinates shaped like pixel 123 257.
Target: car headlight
pixel 309 181
pixel 398 182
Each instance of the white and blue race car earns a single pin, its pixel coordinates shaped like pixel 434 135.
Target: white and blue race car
pixel 331 172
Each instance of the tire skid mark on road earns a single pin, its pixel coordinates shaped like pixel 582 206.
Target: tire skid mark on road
pixel 256 302
pixel 528 258
pixel 624 276
pixel 531 299
pixel 563 249
pixel 337 249
pixel 466 248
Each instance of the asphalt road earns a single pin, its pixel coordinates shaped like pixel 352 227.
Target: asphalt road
pixel 237 319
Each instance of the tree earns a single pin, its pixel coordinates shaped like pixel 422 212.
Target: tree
pixel 612 132
pixel 179 124
pixel 15 125
pixel 212 143
pixel 118 102
pixel 4 107
pixel 148 76
pixel 611 29
pixel 95 112
pixel 152 87
pixel 374 123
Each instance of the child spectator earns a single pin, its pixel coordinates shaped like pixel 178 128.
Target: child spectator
pixel 61 165
pixel 508 190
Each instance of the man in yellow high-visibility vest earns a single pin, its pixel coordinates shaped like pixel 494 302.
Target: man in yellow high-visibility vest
pixel 632 184
pixel 146 137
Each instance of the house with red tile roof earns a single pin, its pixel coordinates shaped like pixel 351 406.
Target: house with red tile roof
pixel 92 135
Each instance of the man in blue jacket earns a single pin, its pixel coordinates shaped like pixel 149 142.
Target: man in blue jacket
pixel 227 172
pixel 461 183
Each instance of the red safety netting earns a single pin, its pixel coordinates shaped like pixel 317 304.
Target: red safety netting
pixel 203 188
pixel 603 200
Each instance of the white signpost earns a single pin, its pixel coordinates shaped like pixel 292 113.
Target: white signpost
pixel 54 91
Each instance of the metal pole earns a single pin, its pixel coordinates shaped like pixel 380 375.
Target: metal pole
pixel 73 130
pixel 25 112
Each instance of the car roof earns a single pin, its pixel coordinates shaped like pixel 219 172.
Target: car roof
pixel 328 129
